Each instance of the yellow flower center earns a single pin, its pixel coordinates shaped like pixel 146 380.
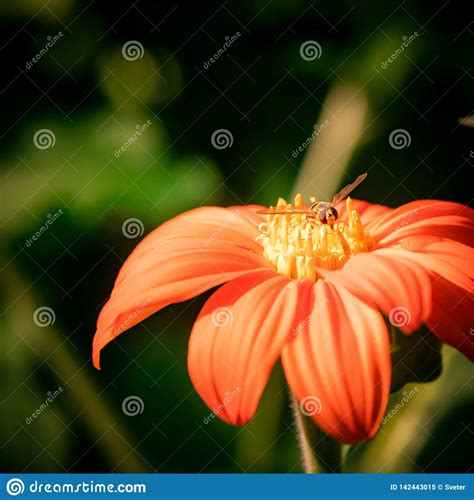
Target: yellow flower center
pixel 297 245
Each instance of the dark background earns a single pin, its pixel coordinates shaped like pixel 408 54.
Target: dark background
pixel 91 98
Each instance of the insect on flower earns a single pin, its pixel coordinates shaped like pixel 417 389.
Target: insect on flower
pixel 317 294
pixel 323 211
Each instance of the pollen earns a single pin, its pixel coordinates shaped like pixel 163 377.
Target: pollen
pixel 298 244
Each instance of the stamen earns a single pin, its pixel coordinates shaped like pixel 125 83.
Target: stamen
pixel 296 247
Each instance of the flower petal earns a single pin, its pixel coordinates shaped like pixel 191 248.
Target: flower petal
pixel 451 273
pixel 426 217
pixel 451 319
pixel 208 226
pixel 449 259
pixel 179 260
pixel 237 339
pixel 341 362
pixel 369 213
pixel 390 282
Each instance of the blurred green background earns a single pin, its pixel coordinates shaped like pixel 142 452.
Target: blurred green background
pixel 67 111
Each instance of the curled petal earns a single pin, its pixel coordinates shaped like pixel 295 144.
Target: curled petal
pixel 341 361
pixel 237 339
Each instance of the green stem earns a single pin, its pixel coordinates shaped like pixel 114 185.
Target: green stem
pixel 319 452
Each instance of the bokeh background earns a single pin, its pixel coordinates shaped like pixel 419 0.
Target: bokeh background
pixel 66 113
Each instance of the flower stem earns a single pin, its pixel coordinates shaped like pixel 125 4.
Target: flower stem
pixel 319 452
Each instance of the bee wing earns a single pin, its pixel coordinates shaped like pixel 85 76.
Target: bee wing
pixel 284 210
pixel 345 191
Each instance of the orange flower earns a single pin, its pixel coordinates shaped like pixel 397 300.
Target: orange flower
pixel 313 295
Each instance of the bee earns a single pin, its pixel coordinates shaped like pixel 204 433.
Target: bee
pixel 324 211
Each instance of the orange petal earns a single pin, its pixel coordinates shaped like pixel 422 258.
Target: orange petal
pixel 369 212
pixel 426 217
pixel 209 226
pixel 237 339
pixel 451 273
pixel 399 287
pixel 179 260
pixel 338 366
pixel 451 318
pixel 449 259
